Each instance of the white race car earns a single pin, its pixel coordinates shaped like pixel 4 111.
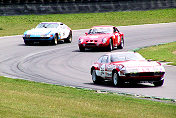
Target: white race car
pixel 50 32
pixel 122 67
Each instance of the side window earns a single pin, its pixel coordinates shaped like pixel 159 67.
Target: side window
pixel 114 29
pixel 117 30
pixel 105 59
pixel 100 59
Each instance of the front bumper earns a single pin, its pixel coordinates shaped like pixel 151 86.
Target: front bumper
pixel 93 45
pixel 38 38
pixel 141 77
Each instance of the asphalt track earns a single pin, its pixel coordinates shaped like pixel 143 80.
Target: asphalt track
pixel 63 64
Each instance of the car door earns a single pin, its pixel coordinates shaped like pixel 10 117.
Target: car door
pixel 103 65
pixel 98 72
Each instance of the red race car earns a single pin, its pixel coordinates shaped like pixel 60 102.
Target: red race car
pixel 102 36
pixel 123 67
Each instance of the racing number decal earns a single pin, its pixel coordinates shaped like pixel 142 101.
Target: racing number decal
pixel 102 70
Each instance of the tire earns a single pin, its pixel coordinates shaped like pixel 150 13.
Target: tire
pixel 55 39
pixel 82 49
pixel 95 78
pixel 69 39
pixel 116 79
pixel 158 83
pixel 121 44
pixel 110 46
pixel 27 43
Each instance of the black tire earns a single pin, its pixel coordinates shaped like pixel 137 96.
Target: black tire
pixel 55 40
pixel 121 43
pixel 95 78
pixel 69 39
pixel 158 83
pixel 110 46
pixel 82 49
pixel 27 43
pixel 116 79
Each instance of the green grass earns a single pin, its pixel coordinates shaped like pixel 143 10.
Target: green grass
pixel 15 25
pixel 20 98
pixel 165 52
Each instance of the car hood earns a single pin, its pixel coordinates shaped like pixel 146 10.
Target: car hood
pixel 39 31
pixel 142 66
pixel 95 36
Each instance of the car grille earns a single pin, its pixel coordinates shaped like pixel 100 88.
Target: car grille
pixel 144 74
pixel 36 37
pixel 90 44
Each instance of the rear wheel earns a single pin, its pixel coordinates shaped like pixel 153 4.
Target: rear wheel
pixel 69 38
pixel 121 43
pixel 158 83
pixel 95 78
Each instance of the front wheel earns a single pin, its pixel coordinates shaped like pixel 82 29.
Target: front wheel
pixel 55 40
pixel 116 79
pixel 82 49
pixel 27 43
pixel 158 83
pixel 95 78
pixel 110 46
pixel 121 43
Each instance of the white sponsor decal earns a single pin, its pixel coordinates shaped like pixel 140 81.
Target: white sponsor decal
pixel 94 37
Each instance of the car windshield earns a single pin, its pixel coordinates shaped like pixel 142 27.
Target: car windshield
pixel 126 57
pixel 100 30
pixel 47 25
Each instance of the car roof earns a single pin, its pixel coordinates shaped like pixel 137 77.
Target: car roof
pixel 102 26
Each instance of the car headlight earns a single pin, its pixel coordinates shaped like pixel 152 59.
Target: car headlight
pixel 104 40
pixel 80 41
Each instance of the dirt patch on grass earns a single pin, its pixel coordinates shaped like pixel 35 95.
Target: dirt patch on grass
pixel 174 52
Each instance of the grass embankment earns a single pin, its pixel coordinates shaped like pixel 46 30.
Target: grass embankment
pixel 20 98
pixel 15 25
pixel 165 52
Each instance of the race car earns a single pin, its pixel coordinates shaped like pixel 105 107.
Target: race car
pixel 50 32
pixel 108 37
pixel 122 67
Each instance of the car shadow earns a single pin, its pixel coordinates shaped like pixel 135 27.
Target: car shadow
pixel 95 50
pixel 124 85
pixel 41 44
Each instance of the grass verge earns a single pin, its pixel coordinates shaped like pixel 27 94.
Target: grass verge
pixel 16 25
pixel 20 98
pixel 164 52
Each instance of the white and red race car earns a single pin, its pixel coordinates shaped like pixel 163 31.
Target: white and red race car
pixel 104 36
pixel 120 67
pixel 50 32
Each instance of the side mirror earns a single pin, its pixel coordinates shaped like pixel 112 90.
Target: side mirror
pixel 86 34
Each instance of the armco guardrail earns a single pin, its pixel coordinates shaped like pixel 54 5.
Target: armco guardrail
pixel 79 6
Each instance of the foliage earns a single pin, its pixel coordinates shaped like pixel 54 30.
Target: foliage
pixel 17 25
